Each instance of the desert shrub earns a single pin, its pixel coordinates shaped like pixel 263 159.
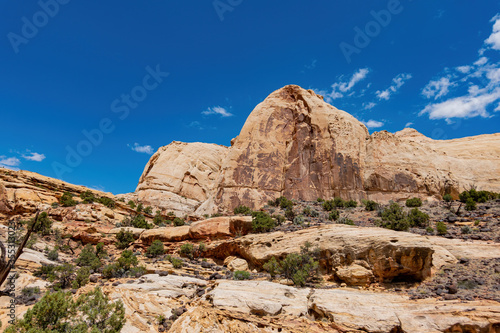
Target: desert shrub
pixel 148 210
pixel 156 249
pixel 414 202
pixel 187 250
pixel 202 247
pixel 393 217
pixel 370 205
pixel 126 265
pixel 351 204
pixel 284 203
pixel 87 197
pixel 328 205
pixel 243 210
pixel 298 220
pixel 124 238
pixel 131 204
pixel 280 219
pixel 216 215
pixel 176 262
pixel 418 218
pixel 61 275
pixel 32 241
pixel 58 312
pixel 308 211
pixel 81 278
pixel 333 215
pixel 241 275
pixel 297 267
pixel 429 230
pixel 53 254
pixel 320 200
pixel 66 200
pixel 30 291
pixel 470 204
pixel 338 202
pixel 158 218
pixel 447 198
pixel 108 202
pixel 441 228
pixel 139 221
pixel 289 214
pixel 262 222
pixel 43 225
pixel 466 229
pixel 89 258
pixel 179 222
pixel 139 208
pixel 345 220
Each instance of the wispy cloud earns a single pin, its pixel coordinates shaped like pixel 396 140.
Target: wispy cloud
pixel 369 106
pixel 9 162
pixel 312 65
pixel 339 89
pixel 146 149
pixel 483 79
pixel 437 88
pixel 217 110
pixel 493 40
pixel 408 124
pixel 373 123
pixel 36 157
pixel 397 83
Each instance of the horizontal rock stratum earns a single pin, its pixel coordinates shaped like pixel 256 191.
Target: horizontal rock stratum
pixel 295 144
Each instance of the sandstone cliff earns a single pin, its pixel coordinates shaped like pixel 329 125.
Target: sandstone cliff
pixel 297 145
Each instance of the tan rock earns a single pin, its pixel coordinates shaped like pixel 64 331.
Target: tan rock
pixel 387 253
pixel 221 227
pixel 236 264
pixel 355 275
pixel 135 231
pixel 169 234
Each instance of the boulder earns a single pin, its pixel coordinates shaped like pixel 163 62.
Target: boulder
pixel 355 275
pixel 169 234
pixel 236 264
pixel 221 227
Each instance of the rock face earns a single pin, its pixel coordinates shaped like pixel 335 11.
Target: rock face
pixel 354 255
pixel 297 145
pixel 180 176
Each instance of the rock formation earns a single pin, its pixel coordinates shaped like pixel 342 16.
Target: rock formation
pixel 295 144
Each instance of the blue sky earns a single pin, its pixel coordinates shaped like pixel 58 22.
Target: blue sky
pixel 89 90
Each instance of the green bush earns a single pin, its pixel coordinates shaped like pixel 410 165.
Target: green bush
pixel 370 205
pixel 393 217
pixel 81 278
pixel 298 267
pixel 89 258
pixel 126 265
pixel 470 204
pixel 66 200
pixel 284 203
pixel 187 250
pixel 178 222
pixel 280 219
pixel 320 200
pixel 413 202
pixel 158 218
pixel 58 312
pixel 108 202
pixel 139 208
pixel 241 275
pixel 139 221
pixel 243 210
pixel 131 204
pixel 124 238
pixel 148 210
pixel 43 225
pixel 466 229
pixel 328 205
pixel 345 220
pixel 156 249
pixel 338 202
pixel 441 228
pixel 298 220
pixel 333 215
pixel 447 198
pixel 61 275
pixel 308 211
pixel 87 197
pixel 418 218
pixel 289 214
pixel 262 222
pixel 351 204
pixel 429 230
pixel 176 262
pixel 202 247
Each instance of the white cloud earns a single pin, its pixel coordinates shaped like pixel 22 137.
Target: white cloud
pixel 494 39
pixel 481 61
pixel 483 81
pixel 147 149
pixel 9 162
pixel 369 106
pixel 408 124
pixel 464 69
pixel 437 88
pixel 34 157
pixel 340 88
pixel 217 110
pixel 397 83
pixel 373 123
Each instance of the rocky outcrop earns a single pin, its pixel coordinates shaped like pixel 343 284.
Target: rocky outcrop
pixel 297 145
pixel 181 176
pixel 385 254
